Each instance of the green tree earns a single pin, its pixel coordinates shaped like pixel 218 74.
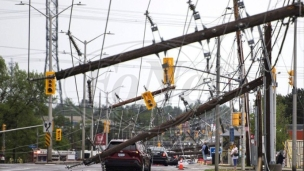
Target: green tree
pixel 282 123
pixel 288 100
pixel 22 104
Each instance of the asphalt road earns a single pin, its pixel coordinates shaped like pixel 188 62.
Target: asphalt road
pixel 95 167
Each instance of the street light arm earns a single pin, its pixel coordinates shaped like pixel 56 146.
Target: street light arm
pixel 76 38
pixel 115 89
pixel 96 37
pixel 66 9
pixel 21 3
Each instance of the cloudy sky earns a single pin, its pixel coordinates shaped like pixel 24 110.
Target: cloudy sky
pixel 131 31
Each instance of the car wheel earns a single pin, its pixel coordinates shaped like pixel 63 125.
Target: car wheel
pixel 166 163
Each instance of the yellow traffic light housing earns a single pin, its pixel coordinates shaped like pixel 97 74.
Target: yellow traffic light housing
pixel 291 74
pixel 236 118
pixel 50 83
pixel 290 80
pixel 106 126
pixel 149 100
pixel 3 127
pixel 58 134
pixel 274 73
pixel 168 64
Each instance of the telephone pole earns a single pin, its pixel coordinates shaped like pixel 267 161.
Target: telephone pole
pixel 248 22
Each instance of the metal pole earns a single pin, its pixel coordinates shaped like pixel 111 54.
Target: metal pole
pixel 217 116
pixel 50 148
pixel 84 102
pixel 4 143
pixel 107 116
pixel 274 117
pixel 294 102
pixel 92 129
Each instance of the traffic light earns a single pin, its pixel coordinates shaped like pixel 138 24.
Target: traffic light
pixel 58 134
pixel 291 74
pixel 158 144
pixel 196 134
pixel 274 73
pixel 245 118
pixel 47 139
pixel 106 126
pixel 149 100
pixel 50 83
pixel 236 118
pixel 168 70
pixel 3 127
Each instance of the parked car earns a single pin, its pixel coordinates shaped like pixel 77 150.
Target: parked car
pixel 173 158
pixel 159 155
pixel 133 157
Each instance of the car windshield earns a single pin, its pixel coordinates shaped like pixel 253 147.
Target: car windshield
pixel 130 147
pixel 157 148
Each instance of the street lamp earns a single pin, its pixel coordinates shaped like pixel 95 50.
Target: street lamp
pixel 107 107
pixel 92 122
pixel 84 82
pixel 50 17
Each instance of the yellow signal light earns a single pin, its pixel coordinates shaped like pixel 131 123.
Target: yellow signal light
pixel 236 118
pixel 58 134
pixel 149 100
pixel 168 64
pixel 290 80
pixel 291 73
pixel 50 83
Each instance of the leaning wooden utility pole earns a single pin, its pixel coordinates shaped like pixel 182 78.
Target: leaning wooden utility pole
pixel 268 87
pixel 258 105
pixel 178 120
pixel 255 20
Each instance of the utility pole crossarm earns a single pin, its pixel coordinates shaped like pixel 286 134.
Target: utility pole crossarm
pixel 280 13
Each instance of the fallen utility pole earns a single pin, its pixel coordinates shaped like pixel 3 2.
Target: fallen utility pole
pixel 178 120
pixel 280 13
pixel 140 97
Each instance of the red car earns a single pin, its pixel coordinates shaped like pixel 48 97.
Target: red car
pixel 133 157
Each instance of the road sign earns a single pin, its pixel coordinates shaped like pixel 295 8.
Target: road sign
pixel 231 134
pixel 212 150
pixel 32 146
pixel 47 126
pixel 100 139
pixel 47 139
